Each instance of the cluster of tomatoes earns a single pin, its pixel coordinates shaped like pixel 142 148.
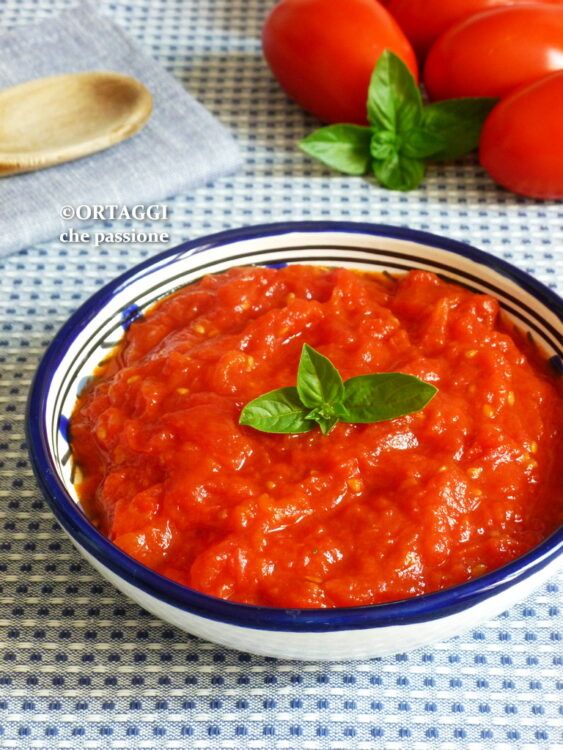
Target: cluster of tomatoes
pixel 323 53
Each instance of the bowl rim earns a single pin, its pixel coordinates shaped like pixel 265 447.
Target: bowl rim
pixel 406 611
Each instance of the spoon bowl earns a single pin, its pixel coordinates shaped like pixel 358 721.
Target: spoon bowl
pixel 52 120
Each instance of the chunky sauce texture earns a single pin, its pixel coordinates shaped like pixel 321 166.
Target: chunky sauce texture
pixel 370 513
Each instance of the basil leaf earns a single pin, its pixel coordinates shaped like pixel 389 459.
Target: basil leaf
pixel 394 101
pixel 325 416
pixel 382 396
pixel 278 411
pixel 321 397
pixel 327 425
pixel 383 145
pixel 448 129
pixel 342 147
pixel 399 172
pixel 421 144
pixel 318 381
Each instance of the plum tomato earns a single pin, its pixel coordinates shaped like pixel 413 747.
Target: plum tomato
pixel 495 52
pixel 521 142
pixel 424 20
pixel 323 53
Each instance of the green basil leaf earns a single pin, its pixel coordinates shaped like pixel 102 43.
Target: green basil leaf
pixel 318 381
pixel 448 129
pixel 327 425
pixel 399 172
pixel 325 416
pixel 394 101
pixel 383 144
pixel 341 147
pixel 278 411
pixel 376 398
pixel 421 144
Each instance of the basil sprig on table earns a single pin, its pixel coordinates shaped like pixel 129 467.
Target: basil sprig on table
pixel 403 133
pixel 322 398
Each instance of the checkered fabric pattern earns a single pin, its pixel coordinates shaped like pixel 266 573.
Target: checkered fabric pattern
pixel 83 667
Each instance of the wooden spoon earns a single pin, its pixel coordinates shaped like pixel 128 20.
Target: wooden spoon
pixel 52 120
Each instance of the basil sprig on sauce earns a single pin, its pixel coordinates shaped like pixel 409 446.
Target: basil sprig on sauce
pixel 322 398
pixel 403 134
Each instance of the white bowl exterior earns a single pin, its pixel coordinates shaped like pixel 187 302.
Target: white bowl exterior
pixel 332 646
pixel 351 249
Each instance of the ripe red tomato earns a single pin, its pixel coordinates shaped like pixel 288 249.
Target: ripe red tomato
pixel 424 20
pixel 521 142
pixel 323 53
pixel 495 52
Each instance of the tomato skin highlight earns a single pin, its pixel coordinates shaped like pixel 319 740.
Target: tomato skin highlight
pixel 495 52
pixel 522 140
pixel 424 20
pixel 323 52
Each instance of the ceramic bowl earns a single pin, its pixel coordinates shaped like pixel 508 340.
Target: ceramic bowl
pixel 329 634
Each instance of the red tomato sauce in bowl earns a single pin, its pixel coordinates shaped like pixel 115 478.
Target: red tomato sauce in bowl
pixel 370 513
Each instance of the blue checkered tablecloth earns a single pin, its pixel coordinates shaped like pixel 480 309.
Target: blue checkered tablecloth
pixel 83 667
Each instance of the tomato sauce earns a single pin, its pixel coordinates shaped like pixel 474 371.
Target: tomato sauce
pixel 370 513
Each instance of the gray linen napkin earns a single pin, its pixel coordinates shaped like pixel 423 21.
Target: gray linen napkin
pixel 180 147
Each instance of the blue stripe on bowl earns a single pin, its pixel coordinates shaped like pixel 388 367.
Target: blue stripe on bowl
pixel 129 315
pixel 423 608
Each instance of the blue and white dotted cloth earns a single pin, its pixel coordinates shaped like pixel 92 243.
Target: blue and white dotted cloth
pixel 83 667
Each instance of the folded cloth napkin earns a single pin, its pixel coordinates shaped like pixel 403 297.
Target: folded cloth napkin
pixel 180 147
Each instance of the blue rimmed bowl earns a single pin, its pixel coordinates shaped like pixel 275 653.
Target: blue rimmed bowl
pixel 330 634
